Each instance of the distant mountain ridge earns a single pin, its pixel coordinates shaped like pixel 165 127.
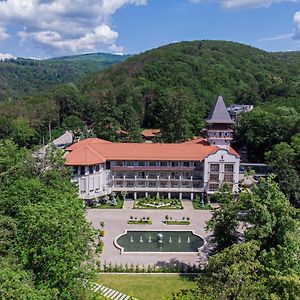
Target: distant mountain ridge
pixel 23 76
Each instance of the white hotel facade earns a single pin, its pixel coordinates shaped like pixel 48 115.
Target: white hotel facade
pixel 184 170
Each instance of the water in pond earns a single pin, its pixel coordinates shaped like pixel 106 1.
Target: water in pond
pixel 160 241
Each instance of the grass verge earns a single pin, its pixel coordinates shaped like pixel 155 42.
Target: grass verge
pixel 148 287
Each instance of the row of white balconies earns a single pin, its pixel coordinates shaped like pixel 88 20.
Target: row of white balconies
pixel 158 177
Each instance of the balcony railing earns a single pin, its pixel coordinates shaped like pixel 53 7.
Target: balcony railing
pixel 152 168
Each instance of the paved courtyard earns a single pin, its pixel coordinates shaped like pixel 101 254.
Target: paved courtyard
pixel 116 223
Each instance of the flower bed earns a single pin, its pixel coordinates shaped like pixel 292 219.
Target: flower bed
pixel 143 220
pixel 169 221
pixel 177 222
pixel 139 222
pixel 157 203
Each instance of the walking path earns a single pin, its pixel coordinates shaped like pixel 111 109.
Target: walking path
pixel 109 293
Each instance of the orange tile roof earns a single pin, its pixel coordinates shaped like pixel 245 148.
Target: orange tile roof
pixel 232 151
pixel 84 156
pixel 197 141
pixel 91 151
pixel 87 142
pixel 150 132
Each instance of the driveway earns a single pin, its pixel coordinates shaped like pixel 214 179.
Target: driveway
pixel 116 223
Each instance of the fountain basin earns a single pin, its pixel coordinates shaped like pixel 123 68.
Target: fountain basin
pixel 153 241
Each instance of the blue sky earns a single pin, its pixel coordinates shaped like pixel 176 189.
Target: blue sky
pixel 47 28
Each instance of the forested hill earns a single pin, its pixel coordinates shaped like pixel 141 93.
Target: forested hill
pixel 172 88
pixel 181 81
pixel 19 77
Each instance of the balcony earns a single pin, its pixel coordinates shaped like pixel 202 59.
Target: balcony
pixel 150 168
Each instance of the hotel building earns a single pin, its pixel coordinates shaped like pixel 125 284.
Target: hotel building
pixel 182 170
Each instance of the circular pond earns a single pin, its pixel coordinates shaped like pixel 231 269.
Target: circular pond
pixel 159 241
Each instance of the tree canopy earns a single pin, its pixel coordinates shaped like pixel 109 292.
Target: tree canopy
pixel 46 244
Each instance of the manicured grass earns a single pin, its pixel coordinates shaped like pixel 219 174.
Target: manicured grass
pixel 146 286
pixel 108 206
pixel 197 205
pixel 177 222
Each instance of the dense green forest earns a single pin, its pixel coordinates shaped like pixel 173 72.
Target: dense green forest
pixel 173 88
pixel 21 76
pixel 263 262
pixel 46 244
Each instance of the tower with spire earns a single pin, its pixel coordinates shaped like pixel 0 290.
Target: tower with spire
pixel 219 130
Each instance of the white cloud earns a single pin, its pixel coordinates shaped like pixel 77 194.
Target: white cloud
pixel 241 4
pixel 3 34
pixel 63 26
pixel 4 56
pixel 297 25
pixel 116 49
pixel 277 37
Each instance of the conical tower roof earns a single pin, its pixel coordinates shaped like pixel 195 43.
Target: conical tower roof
pixel 219 114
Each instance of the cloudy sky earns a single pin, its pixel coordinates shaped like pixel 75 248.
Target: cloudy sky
pixel 47 28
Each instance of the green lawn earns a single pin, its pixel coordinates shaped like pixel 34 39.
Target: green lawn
pixel 108 206
pixel 146 286
pixel 197 205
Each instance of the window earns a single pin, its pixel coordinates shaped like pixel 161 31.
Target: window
pixel 75 170
pixel 130 175
pixel 152 175
pixel 186 163
pixel 214 177
pixel 164 163
pixel 163 175
pixel 130 163
pixel 119 175
pixel 152 184
pixel 175 175
pixel 186 175
pixel 130 184
pixel 97 168
pixel 82 170
pixel 141 174
pixel 174 184
pixel 185 184
pixel 163 184
pixel 214 167
pixel 141 183
pixel 119 183
pixel 152 163
pixel 213 187
pixel 175 163
pixel 228 178
pixel 119 163
pixel 91 169
pixel 141 163
pixel 108 165
pixel 229 167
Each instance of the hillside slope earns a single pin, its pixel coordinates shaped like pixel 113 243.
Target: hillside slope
pixel 200 70
pixel 171 88
pixel 19 77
